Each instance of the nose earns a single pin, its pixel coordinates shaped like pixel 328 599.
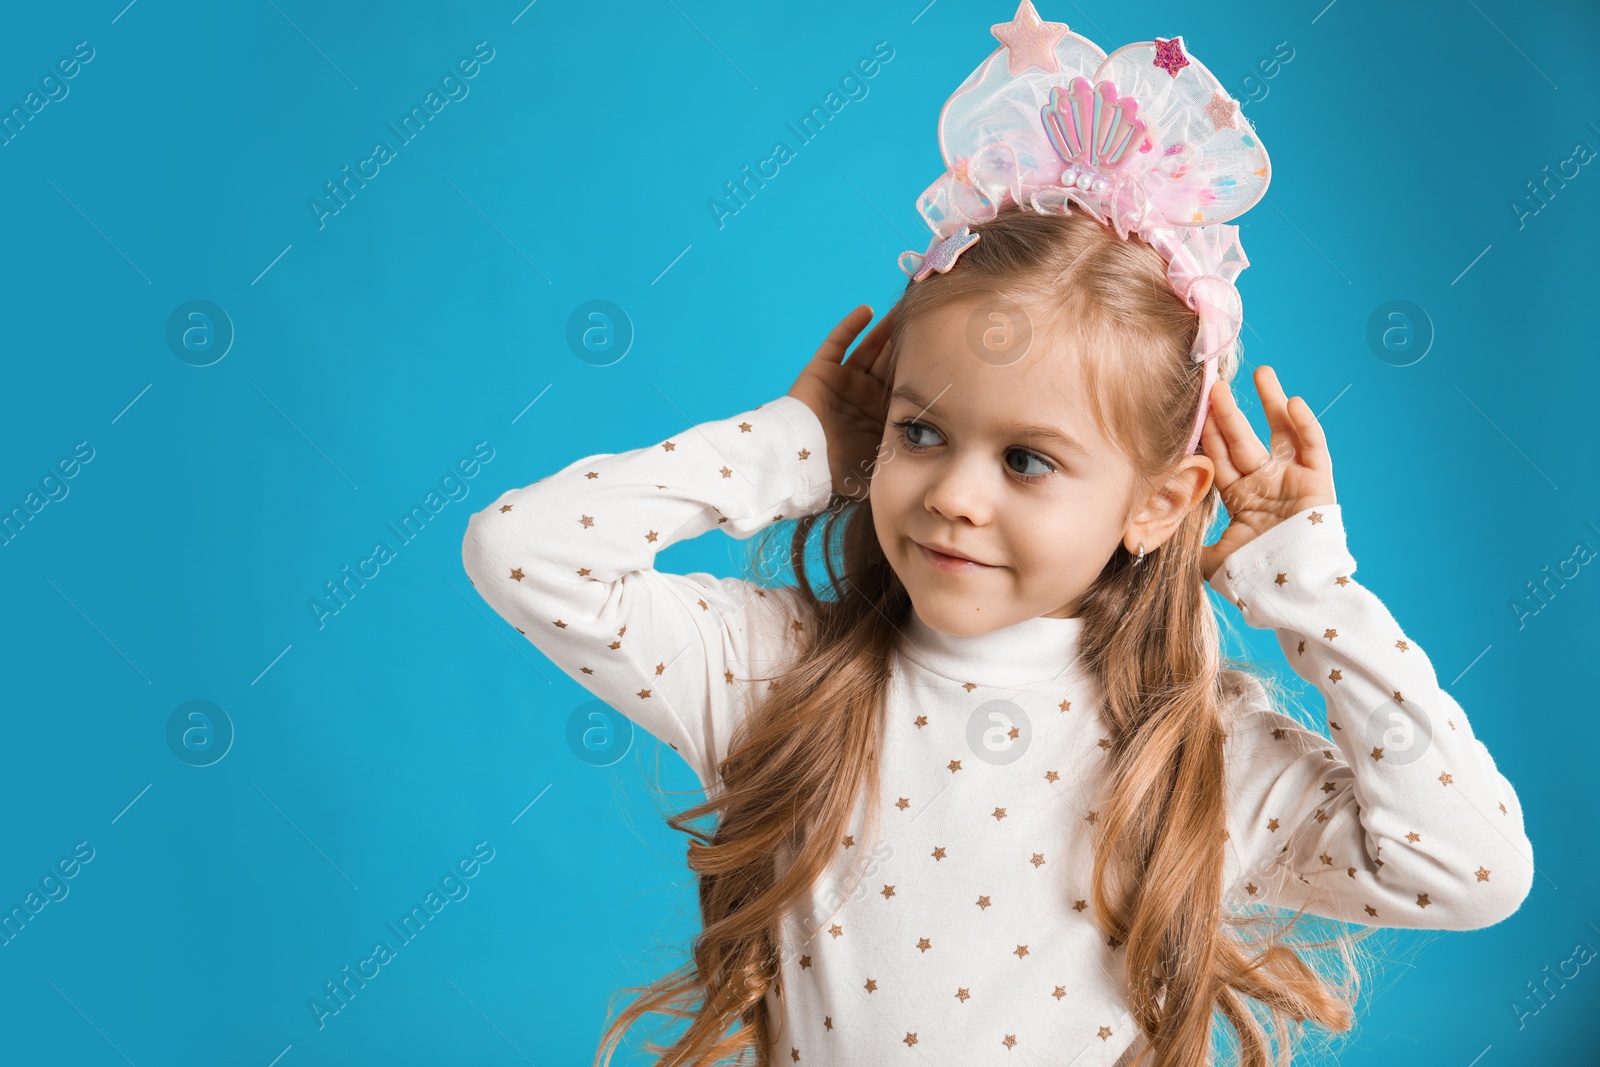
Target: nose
pixel 959 491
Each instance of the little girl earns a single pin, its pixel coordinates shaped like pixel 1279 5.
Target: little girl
pixel 986 789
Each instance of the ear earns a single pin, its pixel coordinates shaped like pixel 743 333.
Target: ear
pixel 1156 518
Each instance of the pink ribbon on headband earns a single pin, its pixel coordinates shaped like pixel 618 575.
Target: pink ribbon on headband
pixel 1144 139
pixel 1201 267
pixel 1202 262
pixel 1218 305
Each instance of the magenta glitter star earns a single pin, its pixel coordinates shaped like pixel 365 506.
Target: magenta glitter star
pixel 1030 41
pixel 1169 55
pixel 944 254
pixel 1222 108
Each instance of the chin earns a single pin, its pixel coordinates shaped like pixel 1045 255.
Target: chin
pixel 958 617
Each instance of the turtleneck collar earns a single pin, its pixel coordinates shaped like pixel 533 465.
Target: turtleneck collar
pixel 1033 650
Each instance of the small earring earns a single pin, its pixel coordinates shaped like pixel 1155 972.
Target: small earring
pixel 1140 559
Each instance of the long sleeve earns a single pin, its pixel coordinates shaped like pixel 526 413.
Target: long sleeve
pixel 569 561
pixel 1404 819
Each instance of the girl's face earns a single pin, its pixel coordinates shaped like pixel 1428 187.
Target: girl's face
pixel 1001 463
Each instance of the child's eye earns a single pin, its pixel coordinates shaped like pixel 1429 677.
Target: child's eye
pixel 908 427
pixel 1049 468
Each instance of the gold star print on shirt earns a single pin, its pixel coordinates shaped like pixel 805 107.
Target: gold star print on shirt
pixel 962 930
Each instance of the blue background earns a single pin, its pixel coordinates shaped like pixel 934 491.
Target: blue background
pixel 375 349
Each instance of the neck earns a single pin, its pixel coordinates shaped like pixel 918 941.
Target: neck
pixel 1028 651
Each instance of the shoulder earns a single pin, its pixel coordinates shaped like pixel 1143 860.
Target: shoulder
pixel 1261 737
pixel 1274 768
pixel 764 624
pixel 757 605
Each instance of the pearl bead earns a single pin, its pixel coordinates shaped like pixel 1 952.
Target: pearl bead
pixel 1084 181
pixel 1100 185
pixel 1069 174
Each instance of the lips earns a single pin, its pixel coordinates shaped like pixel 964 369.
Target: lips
pixel 943 555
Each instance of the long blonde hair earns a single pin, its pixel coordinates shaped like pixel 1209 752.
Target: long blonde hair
pixel 807 752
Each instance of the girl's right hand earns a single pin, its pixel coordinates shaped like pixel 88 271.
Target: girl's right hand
pixel 850 398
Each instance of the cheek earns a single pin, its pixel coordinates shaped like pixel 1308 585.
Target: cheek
pixel 1044 535
pixel 884 522
pixel 879 494
pixel 891 484
pixel 889 495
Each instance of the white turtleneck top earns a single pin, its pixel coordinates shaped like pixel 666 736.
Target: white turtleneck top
pixel 964 933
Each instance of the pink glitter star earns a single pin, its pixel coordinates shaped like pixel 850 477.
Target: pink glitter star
pixel 944 254
pixel 1222 108
pixel 1169 55
pixel 1029 41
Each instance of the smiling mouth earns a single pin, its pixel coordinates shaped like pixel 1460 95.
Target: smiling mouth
pixel 949 564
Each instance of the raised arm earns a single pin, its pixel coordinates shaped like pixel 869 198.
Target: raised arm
pixel 1402 819
pixel 569 561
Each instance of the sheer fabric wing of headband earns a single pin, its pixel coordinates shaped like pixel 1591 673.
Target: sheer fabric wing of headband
pixel 1144 139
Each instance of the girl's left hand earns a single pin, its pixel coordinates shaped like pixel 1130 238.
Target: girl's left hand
pixel 1259 488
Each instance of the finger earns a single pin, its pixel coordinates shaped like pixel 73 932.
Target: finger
pixel 1211 438
pixel 868 356
pixel 838 341
pixel 1245 451
pixel 1275 406
pixel 1313 442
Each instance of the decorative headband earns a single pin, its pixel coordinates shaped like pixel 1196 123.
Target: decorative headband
pixel 1144 139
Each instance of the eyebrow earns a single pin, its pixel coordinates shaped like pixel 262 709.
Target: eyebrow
pixel 1025 431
